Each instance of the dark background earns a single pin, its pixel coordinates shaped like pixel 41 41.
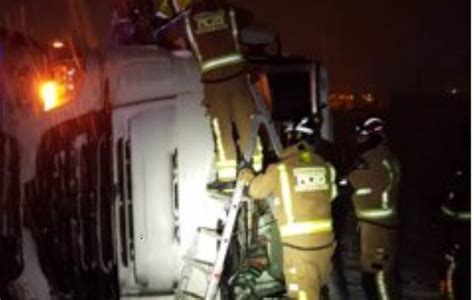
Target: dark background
pixel 384 45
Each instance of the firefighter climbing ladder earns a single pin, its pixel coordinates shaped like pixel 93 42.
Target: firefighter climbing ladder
pixel 214 270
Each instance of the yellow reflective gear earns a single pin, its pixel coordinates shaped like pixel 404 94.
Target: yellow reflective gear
pixel 293 287
pixel 319 226
pixel 286 193
pixel 226 168
pixel 226 174
pixel 385 210
pixel 220 144
pixel 334 191
pixel 363 191
pixel 461 215
pixel 257 158
pixel 375 213
pixel 277 201
pixel 302 295
pixel 298 228
pixel 222 61
pixel 449 278
pixel 385 198
pixel 235 30
pixel 216 62
pixel 191 38
pixel 381 287
pixel 226 163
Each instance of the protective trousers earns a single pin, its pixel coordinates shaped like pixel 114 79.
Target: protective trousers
pixel 229 102
pixel 306 271
pixel 378 261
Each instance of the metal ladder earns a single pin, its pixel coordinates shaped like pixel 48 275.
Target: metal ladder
pixel 214 270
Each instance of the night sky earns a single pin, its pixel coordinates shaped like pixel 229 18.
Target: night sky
pixel 395 46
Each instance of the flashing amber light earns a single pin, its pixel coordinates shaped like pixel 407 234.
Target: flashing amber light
pixel 58 44
pixel 50 94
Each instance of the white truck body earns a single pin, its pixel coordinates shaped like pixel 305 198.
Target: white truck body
pixel 156 107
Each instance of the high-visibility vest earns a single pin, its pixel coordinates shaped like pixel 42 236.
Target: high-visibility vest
pixel 214 37
pixel 457 205
pixel 303 190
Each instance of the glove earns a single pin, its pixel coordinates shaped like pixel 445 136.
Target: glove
pixel 246 175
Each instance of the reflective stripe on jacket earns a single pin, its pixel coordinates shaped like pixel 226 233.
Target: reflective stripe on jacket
pixel 214 37
pixel 456 215
pixel 376 186
pixel 302 185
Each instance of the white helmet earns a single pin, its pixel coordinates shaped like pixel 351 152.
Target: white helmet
pixel 303 126
pixel 371 126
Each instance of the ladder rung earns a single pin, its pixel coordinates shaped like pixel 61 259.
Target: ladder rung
pixel 193 295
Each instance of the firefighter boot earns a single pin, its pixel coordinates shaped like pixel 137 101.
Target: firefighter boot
pixel 220 188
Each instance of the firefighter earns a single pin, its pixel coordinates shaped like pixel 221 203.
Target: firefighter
pixel 302 185
pixel 375 181
pixel 134 22
pixel 455 282
pixel 212 31
pixel 456 212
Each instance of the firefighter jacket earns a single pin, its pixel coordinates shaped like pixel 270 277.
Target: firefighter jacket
pixel 456 209
pixel 456 205
pixel 376 182
pixel 302 185
pixel 213 35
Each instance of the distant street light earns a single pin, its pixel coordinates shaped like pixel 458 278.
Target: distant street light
pixel 454 91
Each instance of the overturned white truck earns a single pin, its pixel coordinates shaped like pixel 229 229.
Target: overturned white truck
pixel 106 170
